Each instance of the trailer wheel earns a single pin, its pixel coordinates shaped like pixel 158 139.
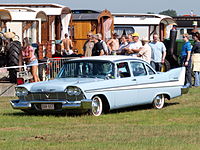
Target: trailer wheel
pixel 41 72
pixel 1 43
pixel 14 49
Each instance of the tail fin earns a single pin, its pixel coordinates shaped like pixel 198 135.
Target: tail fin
pixel 177 74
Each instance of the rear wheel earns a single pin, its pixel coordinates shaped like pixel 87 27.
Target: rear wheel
pixel 159 101
pixel 14 48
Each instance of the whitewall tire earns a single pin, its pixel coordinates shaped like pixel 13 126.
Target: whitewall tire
pixel 97 106
pixel 159 101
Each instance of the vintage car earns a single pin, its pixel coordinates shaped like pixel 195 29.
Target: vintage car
pixel 99 84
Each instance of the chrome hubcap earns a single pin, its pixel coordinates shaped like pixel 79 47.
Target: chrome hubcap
pixel 96 108
pixel 159 102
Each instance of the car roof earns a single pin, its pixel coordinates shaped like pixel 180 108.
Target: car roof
pixel 112 58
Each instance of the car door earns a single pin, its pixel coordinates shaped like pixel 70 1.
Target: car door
pixel 145 78
pixel 124 94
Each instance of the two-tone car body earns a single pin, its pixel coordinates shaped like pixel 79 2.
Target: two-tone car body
pixel 100 84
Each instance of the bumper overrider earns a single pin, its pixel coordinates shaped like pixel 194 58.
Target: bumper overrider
pixel 52 105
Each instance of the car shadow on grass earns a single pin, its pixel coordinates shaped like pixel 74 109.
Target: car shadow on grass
pixel 141 107
pixel 75 113
pixel 171 104
pixel 56 114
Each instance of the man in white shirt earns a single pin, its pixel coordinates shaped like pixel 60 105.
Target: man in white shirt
pixel 134 47
pixel 158 52
pixel 145 52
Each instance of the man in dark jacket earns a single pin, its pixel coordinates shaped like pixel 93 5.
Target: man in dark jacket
pixel 98 48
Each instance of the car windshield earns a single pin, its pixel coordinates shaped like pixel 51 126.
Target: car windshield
pixel 87 69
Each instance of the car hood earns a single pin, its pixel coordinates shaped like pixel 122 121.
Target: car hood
pixel 58 85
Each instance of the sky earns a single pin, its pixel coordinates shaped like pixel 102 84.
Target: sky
pixel 182 7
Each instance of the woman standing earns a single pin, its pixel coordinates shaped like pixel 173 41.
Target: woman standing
pixel 30 58
pixel 186 60
pixel 196 58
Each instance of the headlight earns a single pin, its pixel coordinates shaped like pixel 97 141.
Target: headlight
pixel 77 91
pixel 73 91
pixel 21 91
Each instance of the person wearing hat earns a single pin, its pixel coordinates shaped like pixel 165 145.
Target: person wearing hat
pixel 113 44
pixel 145 50
pixel 98 48
pixel 133 47
pixel 158 53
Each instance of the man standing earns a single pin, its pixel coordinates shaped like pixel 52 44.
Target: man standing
pixel 105 47
pixel 88 45
pixel 134 46
pixel 145 50
pixel 113 44
pixel 98 48
pixel 66 46
pixel 158 52
pixel 186 60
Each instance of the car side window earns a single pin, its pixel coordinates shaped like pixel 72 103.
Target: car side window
pixel 138 69
pixel 123 70
pixel 149 70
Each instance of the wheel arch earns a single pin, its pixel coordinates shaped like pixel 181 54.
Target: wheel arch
pixel 106 105
pixel 166 95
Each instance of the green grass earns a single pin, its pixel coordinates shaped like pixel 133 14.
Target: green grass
pixel 176 126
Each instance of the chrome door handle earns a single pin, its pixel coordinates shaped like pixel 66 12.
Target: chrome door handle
pixel 134 80
pixel 151 78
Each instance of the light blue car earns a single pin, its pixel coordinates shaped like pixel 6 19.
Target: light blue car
pixel 99 84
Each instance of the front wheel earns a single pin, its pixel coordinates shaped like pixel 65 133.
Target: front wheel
pixel 97 106
pixel 159 101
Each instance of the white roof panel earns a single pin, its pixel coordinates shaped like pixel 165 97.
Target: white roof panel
pixel 20 16
pixel 49 11
pixel 141 19
pixel 21 13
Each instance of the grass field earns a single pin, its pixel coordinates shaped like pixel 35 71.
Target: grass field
pixel 175 127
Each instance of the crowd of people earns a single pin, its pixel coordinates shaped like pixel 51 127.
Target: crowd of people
pixel 154 52
pixel 190 58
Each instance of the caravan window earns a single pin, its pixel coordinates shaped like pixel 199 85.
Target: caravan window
pixel 124 30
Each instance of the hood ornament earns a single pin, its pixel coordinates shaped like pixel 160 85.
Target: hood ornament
pixel 47 95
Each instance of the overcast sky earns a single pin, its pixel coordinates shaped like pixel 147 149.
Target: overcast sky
pixel 131 6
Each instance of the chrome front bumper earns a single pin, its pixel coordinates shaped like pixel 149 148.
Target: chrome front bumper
pixel 82 104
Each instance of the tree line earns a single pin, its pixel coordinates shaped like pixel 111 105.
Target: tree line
pixel 169 12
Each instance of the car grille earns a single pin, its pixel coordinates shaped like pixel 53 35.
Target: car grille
pixel 52 96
